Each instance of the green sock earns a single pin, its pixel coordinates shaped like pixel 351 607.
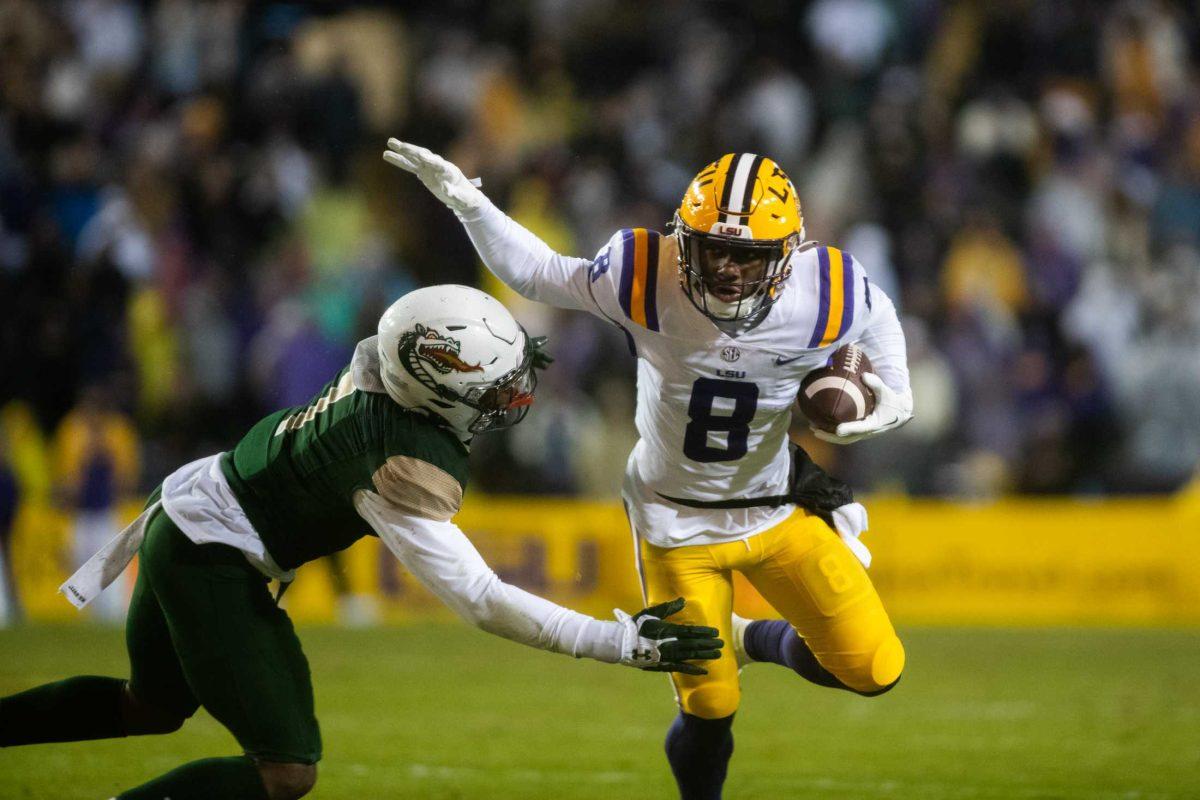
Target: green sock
pixel 73 710
pixel 235 778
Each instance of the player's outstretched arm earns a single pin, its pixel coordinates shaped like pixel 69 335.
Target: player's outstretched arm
pixel 443 559
pixel 516 256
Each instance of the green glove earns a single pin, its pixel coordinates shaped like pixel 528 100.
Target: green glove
pixel 541 359
pixel 652 644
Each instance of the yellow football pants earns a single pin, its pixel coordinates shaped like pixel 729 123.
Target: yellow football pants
pixel 808 575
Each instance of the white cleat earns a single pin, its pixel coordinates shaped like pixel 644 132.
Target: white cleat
pixel 739 640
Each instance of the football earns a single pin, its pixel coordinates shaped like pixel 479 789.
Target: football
pixel 835 393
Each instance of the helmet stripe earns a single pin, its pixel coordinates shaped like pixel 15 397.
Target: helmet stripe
pixel 739 177
pixel 748 192
pixel 726 189
pixel 823 304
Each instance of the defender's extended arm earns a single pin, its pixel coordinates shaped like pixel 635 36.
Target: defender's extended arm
pixel 443 559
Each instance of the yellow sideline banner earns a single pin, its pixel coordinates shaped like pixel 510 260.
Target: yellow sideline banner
pixel 1009 562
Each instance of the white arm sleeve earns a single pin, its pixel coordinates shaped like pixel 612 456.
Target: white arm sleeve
pixel 524 262
pixel 443 559
pixel 883 340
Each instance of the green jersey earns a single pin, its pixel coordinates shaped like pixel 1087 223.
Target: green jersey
pixel 296 472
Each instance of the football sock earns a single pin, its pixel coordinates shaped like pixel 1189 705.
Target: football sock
pixel 71 710
pixel 776 641
pixel 699 750
pixel 234 777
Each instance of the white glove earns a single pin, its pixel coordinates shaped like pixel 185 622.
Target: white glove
pixel 649 643
pixel 892 409
pixel 441 177
pixel 850 521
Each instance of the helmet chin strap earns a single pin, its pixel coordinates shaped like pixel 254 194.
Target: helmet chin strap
pixel 721 308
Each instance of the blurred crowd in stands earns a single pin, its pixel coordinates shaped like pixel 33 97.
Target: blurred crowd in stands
pixel 196 226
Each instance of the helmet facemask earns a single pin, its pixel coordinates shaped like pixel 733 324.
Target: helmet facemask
pixel 504 402
pixel 763 266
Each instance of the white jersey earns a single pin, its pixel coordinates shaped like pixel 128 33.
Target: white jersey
pixel 713 408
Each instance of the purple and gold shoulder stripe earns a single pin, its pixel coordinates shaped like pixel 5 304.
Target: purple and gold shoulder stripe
pixel 835 309
pixel 638 291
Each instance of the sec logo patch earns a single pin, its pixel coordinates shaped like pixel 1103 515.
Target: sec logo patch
pixel 731 354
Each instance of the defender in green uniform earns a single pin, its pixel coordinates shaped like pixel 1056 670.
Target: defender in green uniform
pixel 382 450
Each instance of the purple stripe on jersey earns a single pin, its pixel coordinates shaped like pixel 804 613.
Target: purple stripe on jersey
pixel 847 295
pixel 652 238
pixel 823 309
pixel 625 294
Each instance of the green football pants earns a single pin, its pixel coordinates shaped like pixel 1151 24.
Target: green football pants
pixel 203 630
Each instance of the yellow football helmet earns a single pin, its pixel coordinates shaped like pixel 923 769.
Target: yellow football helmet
pixel 740 209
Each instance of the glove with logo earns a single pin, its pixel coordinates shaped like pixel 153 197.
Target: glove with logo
pixel 541 359
pixel 649 643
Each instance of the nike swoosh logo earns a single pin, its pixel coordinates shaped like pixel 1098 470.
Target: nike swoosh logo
pixel 780 360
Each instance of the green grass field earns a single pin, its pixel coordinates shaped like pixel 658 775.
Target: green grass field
pixel 442 711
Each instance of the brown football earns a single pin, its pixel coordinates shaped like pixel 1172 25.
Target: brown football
pixel 835 393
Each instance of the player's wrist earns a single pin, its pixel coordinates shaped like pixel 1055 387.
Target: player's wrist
pixel 634 650
pixel 597 639
pixel 608 643
pixel 476 208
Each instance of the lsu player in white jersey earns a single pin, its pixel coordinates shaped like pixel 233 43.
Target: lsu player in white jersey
pixel 726 314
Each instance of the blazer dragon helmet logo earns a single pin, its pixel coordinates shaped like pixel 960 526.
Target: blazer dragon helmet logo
pixel 424 346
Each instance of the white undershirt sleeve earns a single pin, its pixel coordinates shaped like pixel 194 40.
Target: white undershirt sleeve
pixel 443 559
pixel 524 262
pixel 883 340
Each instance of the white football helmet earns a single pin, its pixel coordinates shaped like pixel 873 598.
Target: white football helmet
pixel 458 353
